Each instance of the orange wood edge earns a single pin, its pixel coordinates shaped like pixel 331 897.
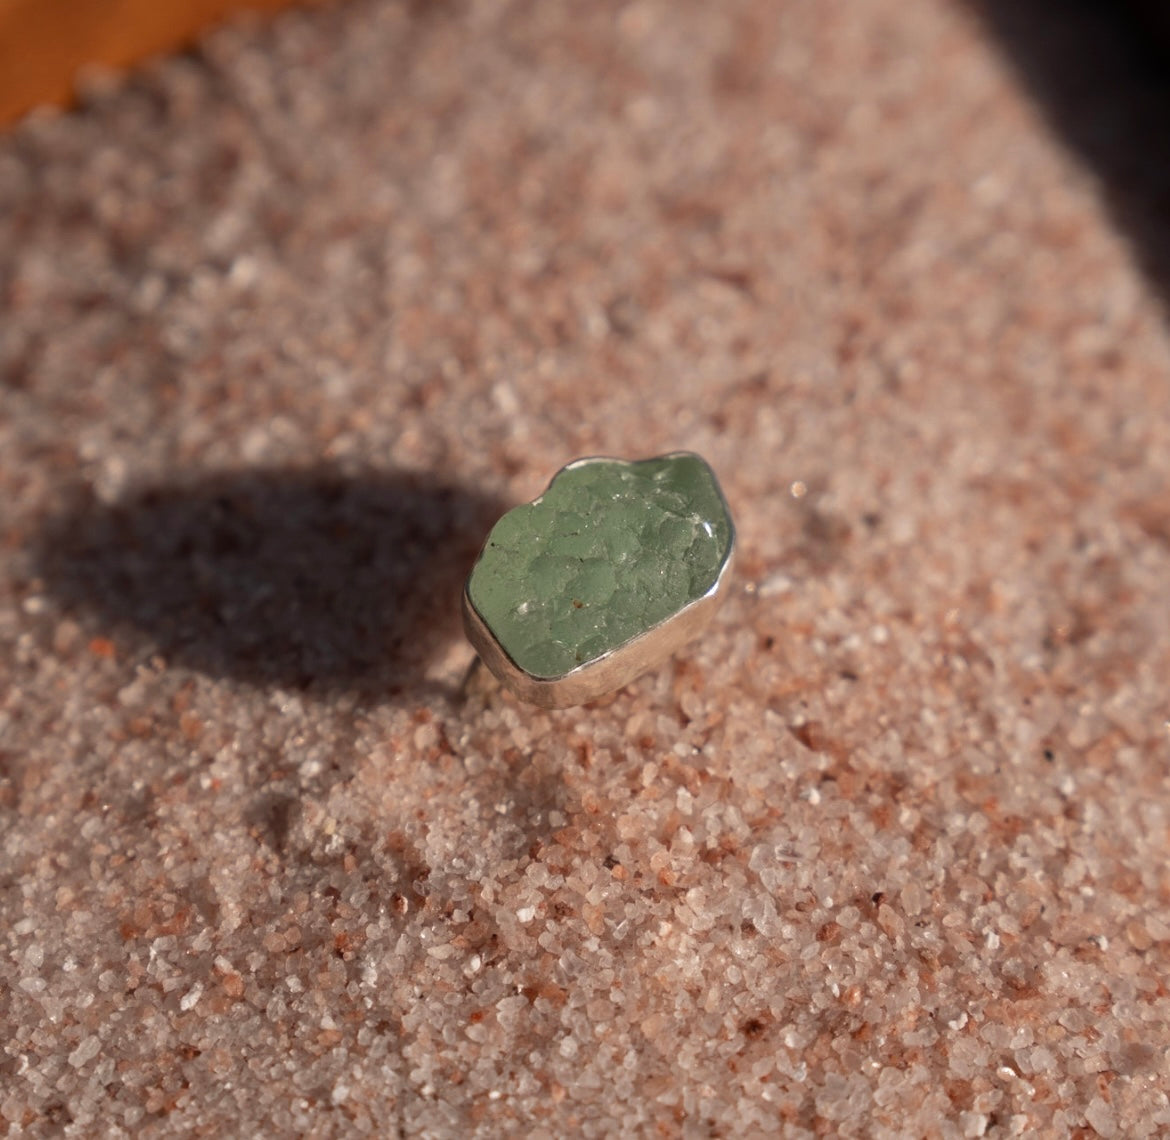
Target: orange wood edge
pixel 44 43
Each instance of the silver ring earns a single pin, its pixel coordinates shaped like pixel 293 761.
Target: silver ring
pixel 613 569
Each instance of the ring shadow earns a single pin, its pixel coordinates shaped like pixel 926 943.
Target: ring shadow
pixel 290 577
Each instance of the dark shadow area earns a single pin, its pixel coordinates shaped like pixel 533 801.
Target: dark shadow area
pixel 298 578
pixel 1100 69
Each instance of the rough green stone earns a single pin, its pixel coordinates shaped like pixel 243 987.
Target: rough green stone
pixel 609 551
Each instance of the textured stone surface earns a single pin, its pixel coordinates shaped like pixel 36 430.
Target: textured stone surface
pixel 884 855
pixel 609 551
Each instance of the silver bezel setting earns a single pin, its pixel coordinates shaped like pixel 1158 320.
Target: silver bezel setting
pixel 622 664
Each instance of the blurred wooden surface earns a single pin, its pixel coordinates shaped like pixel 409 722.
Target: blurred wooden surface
pixel 43 43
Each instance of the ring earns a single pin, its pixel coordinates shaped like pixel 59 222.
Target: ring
pixel 610 571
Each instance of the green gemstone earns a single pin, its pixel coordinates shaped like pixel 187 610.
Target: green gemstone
pixel 611 550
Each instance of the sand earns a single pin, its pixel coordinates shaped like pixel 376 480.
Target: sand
pixel 287 322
